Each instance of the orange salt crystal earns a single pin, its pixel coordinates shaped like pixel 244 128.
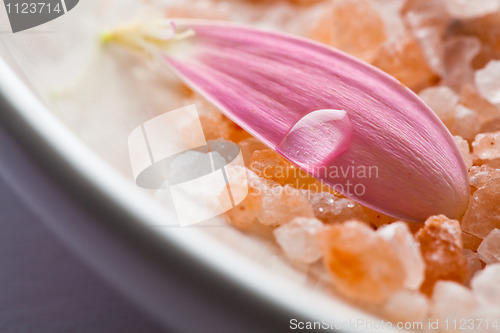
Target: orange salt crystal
pixel 408 64
pixel 358 37
pixel 407 306
pixel 236 133
pixel 466 123
pixel 363 265
pixel 487 113
pixel 330 208
pixel 459 119
pixel 474 263
pixel 452 301
pixel 270 165
pixel 463 147
pixel 471 242
pixel 428 22
pixel 480 175
pixel 243 215
pixel 399 236
pixel 483 214
pixel 214 128
pixel 248 146
pixel 441 246
pixel 487 29
pixel 298 239
pixel 458 54
pixel 215 125
pixel 281 204
pixel 486 146
pixel 489 250
pixel 443 101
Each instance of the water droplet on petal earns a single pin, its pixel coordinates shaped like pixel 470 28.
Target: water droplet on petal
pixel 317 138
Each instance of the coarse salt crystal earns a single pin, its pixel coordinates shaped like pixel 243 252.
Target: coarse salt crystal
pixel 463 146
pixel 483 214
pixel 452 301
pixel 489 250
pixel 329 208
pixel 298 239
pixel 486 286
pixel 400 237
pixel 486 146
pixel 441 245
pixel 363 265
pixel 407 306
pixel 467 9
pixel 473 262
pixel 480 175
pixel 488 81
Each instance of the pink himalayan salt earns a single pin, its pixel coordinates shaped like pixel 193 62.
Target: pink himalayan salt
pixel 248 146
pixel 407 63
pixel 452 301
pixel 268 164
pixel 489 250
pixel 244 214
pixel 360 38
pixel 390 12
pixel 443 101
pixel 280 204
pixel 212 121
pixel 466 123
pixel 215 125
pixel 471 242
pixel 480 175
pixel 483 214
pixel 407 306
pixel 459 119
pixel 463 146
pixel 298 239
pixel 486 29
pixel 473 262
pixel 461 9
pixel 486 286
pixel 428 37
pixel 458 55
pixel 488 81
pixel 330 208
pixel 399 236
pixel 486 146
pixel 428 23
pixel 363 265
pixel 441 246
pixel 487 113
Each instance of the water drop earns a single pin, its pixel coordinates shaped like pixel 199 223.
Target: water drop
pixel 316 139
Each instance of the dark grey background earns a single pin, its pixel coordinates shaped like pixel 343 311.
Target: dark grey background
pixel 44 288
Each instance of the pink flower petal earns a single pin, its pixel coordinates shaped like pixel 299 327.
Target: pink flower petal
pixel 388 151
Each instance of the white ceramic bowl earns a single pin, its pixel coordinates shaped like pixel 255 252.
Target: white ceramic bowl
pixel 212 279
